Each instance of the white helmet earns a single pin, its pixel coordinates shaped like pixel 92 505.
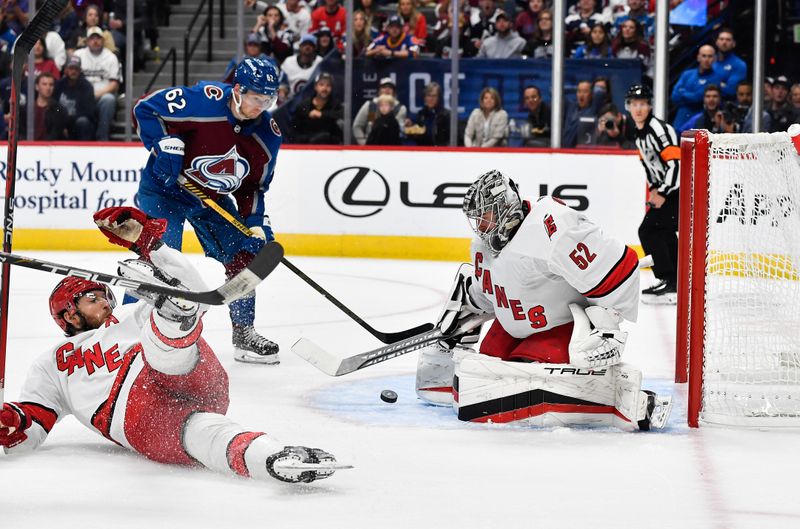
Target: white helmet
pixel 494 209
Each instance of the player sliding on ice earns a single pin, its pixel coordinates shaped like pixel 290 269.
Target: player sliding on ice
pixel 558 289
pixel 142 376
pixel 221 138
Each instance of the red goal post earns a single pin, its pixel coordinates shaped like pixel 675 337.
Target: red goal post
pixel 738 313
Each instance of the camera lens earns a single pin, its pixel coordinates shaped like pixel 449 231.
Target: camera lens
pixel 610 125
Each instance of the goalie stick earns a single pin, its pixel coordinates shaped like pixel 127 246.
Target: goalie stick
pixel 245 281
pixel 385 337
pixel 335 366
pixel 35 30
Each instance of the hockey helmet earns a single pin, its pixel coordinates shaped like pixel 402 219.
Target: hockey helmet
pixel 639 91
pixel 257 75
pixel 64 297
pixel 494 209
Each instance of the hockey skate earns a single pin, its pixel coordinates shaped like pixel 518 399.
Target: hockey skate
pixel 252 348
pixel 662 293
pixel 658 410
pixel 300 464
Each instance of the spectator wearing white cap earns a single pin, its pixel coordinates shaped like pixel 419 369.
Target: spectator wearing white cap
pixel 368 113
pixel 102 69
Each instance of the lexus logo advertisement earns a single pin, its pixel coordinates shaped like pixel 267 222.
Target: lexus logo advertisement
pixel 359 192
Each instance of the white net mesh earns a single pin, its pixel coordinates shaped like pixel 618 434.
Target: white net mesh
pixel 751 370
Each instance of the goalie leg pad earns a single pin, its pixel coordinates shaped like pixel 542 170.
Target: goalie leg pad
pixel 435 369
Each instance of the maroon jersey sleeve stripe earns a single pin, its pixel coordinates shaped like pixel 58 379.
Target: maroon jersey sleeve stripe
pixel 105 412
pixel 236 449
pixel 42 415
pixel 619 273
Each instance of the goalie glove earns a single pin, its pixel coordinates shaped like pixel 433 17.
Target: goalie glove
pixel 596 338
pixel 13 424
pixel 131 228
pixel 460 304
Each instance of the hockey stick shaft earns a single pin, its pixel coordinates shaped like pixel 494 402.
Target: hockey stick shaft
pixel 35 30
pixel 385 337
pixel 245 281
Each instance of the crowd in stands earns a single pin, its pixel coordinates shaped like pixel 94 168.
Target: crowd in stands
pixel 78 65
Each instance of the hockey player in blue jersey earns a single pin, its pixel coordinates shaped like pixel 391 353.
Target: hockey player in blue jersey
pixel 221 137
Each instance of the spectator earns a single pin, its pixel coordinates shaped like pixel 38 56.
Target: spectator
pixel 42 63
pixel 49 118
pixel 362 33
pixel 297 17
pixel 385 129
pixel 526 21
pixel 76 95
pixel 332 16
pixel 299 68
pixel 7 35
pixel 252 48
pixel 487 125
pixel 638 13
pixel 725 119
pixel 613 129
pixel 16 15
pixel 395 43
pixel 325 42
pixel 101 68
pixel 505 43
pixel 275 36
pixel 541 45
pixel 55 49
pixel 414 22
pixel 687 94
pixel 730 67
pixel 443 27
pixel 432 124
pixel 712 100
pixel 92 18
pixel 598 46
pixel 376 19
pixel 362 124
pixel 536 130
pixel 794 99
pixel 318 119
pixel 579 115
pixel 630 44
pixel 744 103
pixel 781 112
pixel 768 91
pixel 601 92
pixel 579 24
pixel 481 22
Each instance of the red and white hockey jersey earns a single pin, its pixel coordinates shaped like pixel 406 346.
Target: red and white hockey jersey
pixel 556 257
pixel 88 376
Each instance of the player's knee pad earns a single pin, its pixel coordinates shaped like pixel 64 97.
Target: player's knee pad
pixel 435 369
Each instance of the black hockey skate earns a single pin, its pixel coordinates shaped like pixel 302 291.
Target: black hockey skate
pixel 252 348
pixel 665 292
pixel 300 464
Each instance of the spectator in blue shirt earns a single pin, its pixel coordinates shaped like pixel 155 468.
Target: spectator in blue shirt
pixel 597 47
pixel 395 43
pixel 687 94
pixel 731 68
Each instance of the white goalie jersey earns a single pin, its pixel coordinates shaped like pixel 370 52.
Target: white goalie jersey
pixel 556 257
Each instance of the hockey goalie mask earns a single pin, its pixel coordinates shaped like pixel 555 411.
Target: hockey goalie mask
pixel 494 209
pixel 64 297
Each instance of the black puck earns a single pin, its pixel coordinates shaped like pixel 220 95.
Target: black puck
pixel 387 395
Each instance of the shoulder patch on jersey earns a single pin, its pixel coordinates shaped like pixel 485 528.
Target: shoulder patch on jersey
pixel 550 226
pixel 213 92
pixel 275 128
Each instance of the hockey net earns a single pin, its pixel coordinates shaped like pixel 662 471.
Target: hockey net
pixel 739 279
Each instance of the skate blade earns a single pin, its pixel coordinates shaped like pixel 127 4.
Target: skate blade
pixel 663 299
pixel 247 357
pixel 661 412
pixel 300 465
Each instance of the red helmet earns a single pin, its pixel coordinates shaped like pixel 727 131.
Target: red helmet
pixel 69 289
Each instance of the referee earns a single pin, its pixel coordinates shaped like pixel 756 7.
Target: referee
pixel 660 156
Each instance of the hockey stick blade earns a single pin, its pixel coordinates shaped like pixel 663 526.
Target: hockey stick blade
pixel 335 366
pixel 299 465
pixel 245 281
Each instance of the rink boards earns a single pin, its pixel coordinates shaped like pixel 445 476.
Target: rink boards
pixel 367 202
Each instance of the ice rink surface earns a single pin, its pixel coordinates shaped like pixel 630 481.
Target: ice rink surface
pixel 415 465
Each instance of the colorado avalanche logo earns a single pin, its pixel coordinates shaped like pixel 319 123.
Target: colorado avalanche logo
pixel 223 174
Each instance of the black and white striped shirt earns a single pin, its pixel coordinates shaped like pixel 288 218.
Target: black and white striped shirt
pixel 660 155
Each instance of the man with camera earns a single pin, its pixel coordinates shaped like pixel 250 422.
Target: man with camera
pixel 613 128
pixel 660 155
